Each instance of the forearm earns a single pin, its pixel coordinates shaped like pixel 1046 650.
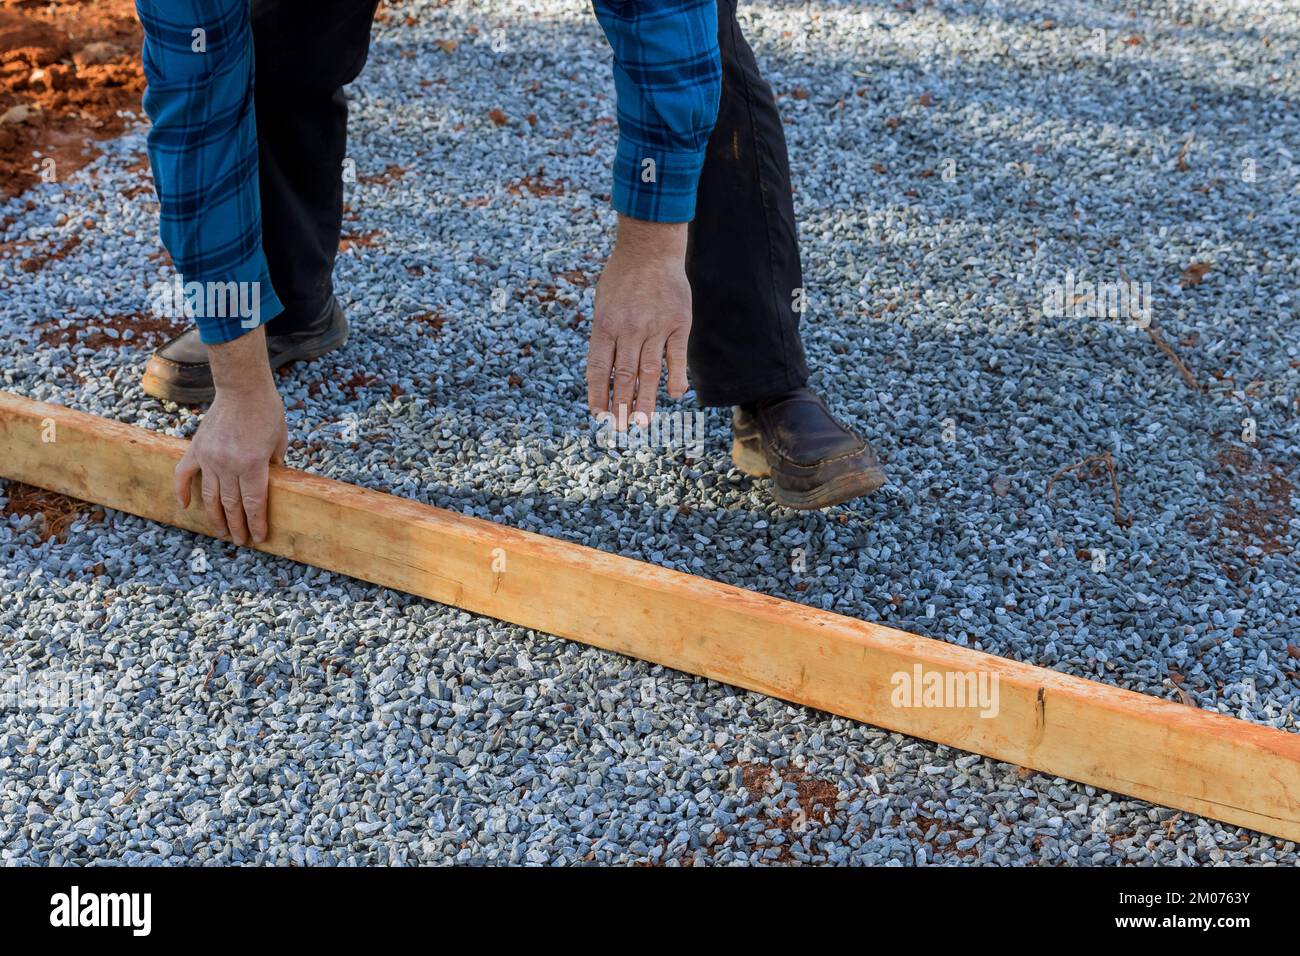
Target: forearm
pixel 240 366
pixel 640 239
pixel 198 62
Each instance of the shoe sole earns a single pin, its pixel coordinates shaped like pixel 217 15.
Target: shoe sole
pixel 203 395
pixel 854 484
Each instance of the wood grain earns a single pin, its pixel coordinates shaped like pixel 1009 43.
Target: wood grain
pixel 1161 751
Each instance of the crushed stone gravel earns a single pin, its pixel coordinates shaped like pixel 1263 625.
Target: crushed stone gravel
pixel 953 163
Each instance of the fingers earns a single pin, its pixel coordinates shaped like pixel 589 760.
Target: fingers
pixel 211 491
pixel 677 380
pixel 232 503
pixel 236 505
pixel 627 358
pixel 183 480
pixel 252 491
pixel 600 359
pixel 648 375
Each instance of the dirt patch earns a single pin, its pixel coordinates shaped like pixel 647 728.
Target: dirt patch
pixel 1256 508
pixel 1259 511
pixel 1194 274
pixel 363 240
pixel 921 824
pixel 812 808
pixel 147 331
pixel 57 512
pixel 535 184
pixel 66 68
pixel 391 174
pixel 433 321
pixel 39 261
pixel 575 277
pixel 349 386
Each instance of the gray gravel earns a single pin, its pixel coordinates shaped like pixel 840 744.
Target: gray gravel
pixel 952 162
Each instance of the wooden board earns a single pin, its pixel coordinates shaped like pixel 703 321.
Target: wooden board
pixel 1134 744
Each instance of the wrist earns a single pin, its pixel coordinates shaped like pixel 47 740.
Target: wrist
pixel 241 366
pixel 651 240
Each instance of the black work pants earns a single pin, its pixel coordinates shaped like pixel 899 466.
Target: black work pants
pixel 742 256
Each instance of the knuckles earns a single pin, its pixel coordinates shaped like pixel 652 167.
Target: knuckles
pixel 232 466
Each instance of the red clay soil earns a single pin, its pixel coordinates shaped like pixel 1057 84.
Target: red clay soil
pixel 1255 509
pixel 147 331
pixel 57 512
pixel 1258 505
pixel 66 68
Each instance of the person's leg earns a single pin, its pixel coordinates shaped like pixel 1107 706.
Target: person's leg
pixel 306 52
pixel 743 254
pixel 746 285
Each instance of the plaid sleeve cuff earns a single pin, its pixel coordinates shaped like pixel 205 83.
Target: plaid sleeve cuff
pixel 654 184
pixel 235 304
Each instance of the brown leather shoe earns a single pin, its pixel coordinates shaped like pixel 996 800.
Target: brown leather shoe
pixel 179 371
pixel 813 460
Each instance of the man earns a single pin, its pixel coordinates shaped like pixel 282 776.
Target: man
pixel 705 266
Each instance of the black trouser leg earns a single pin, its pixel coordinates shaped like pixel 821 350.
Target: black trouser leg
pixel 305 53
pixel 743 254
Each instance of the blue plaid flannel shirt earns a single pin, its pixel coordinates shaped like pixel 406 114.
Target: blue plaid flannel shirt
pixel 198 62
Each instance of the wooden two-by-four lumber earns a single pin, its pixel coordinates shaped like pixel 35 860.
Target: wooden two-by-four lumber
pixel 1131 743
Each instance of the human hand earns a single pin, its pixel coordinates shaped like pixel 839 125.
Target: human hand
pixel 642 312
pixel 243 431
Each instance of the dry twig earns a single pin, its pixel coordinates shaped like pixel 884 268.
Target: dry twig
pixel 1154 332
pixel 1105 459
